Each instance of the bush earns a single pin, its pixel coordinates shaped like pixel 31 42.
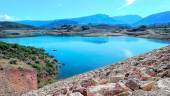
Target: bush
pixel 13 62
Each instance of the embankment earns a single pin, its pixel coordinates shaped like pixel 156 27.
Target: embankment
pixel 145 75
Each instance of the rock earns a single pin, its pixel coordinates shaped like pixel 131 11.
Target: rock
pixel 108 89
pixel 148 86
pixel 125 88
pixel 144 76
pixel 151 72
pixel 64 91
pixel 164 84
pixel 76 94
pixel 15 82
pixel 132 85
pixel 126 93
pixel 49 95
pixel 167 67
pixel 89 82
pixel 114 79
pixel 127 74
pixel 166 74
pixel 97 94
pixel 103 81
pixel 101 88
pixel 83 91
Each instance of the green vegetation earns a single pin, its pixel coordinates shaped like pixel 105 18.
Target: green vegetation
pixel 33 57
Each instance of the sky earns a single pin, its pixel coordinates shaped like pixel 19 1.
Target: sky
pixel 59 9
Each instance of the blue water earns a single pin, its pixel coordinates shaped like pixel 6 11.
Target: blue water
pixel 81 54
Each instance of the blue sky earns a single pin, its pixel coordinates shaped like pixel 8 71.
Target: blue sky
pixel 57 9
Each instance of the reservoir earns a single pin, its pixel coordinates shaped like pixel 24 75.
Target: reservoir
pixel 81 54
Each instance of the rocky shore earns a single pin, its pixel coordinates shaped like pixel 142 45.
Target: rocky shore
pixel 144 75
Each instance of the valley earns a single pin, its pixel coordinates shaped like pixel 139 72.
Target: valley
pixel 83 56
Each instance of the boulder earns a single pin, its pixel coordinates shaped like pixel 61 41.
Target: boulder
pixel 108 89
pixel 101 88
pixel 125 88
pixel 164 84
pixel 166 73
pixel 89 82
pixel 83 91
pixel 133 85
pixel 76 94
pixel 148 86
pixel 115 79
pixel 167 67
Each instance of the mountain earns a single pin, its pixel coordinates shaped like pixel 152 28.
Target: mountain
pixel 61 22
pixel 135 20
pixel 159 18
pixel 128 19
pixel 95 19
pixel 34 23
pixel 13 25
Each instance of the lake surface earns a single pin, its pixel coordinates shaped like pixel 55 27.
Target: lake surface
pixel 82 54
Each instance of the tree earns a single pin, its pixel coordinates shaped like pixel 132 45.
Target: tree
pixel 142 28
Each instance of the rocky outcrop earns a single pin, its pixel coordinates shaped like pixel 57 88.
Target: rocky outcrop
pixel 145 75
pixel 23 69
pixel 15 82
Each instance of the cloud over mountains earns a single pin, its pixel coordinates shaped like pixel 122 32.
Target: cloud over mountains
pixel 5 17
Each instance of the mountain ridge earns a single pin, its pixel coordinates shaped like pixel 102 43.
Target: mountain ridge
pixel 158 18
pixel 133 20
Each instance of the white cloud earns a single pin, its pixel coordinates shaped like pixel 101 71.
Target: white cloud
pixel 6 17
pixel 128 3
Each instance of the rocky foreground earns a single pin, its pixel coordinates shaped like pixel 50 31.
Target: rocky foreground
pixel 145 75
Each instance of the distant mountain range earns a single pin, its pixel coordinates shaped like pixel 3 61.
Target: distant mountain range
pixel 159 18
pixel 133 20
pixel 96 19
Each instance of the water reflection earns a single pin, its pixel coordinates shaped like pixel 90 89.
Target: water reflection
pixel 99 40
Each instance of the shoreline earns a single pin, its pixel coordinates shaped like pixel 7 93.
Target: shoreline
pixel 150 38
pixel 116 74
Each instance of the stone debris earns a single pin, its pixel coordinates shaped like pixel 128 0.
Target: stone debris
pixel 145 75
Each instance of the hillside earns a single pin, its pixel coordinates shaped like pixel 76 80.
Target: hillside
pixel 159 18
pixel 58 23
pixel 20 62
pixel 95 19
pixel 128 19
pixel 36 23
pixel 13 25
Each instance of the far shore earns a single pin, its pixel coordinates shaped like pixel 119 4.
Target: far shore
pixel 35 33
